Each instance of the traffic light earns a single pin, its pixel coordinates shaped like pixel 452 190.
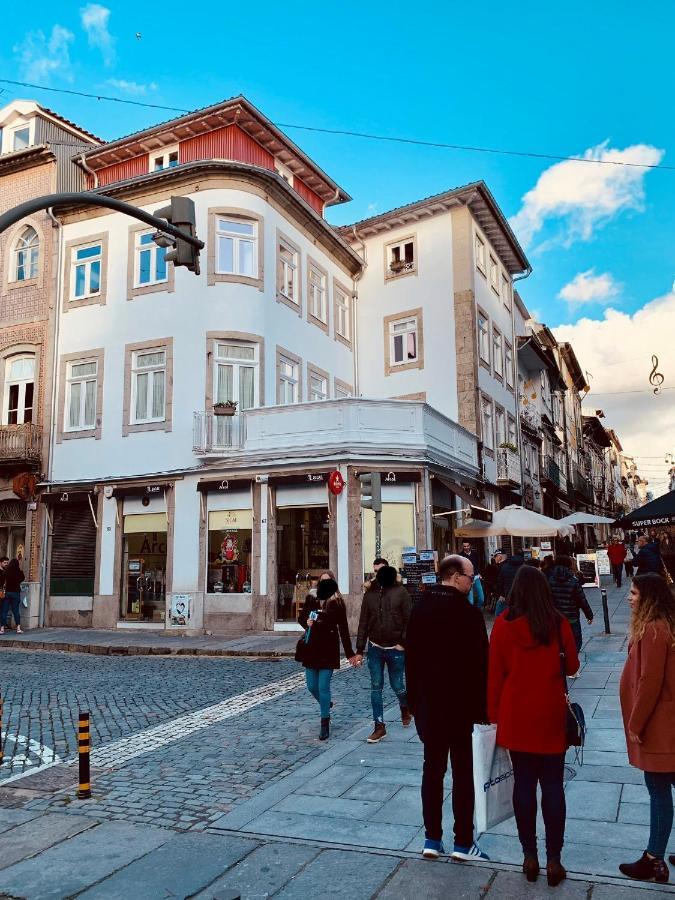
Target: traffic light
pixel 371 491
pixel 181 214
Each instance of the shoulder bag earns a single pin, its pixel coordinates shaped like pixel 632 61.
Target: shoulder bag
pixel 575 720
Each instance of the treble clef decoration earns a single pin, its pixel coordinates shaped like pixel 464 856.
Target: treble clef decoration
pixel 655 377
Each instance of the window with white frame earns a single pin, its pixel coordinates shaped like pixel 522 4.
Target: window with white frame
pixel 287 271
pixel 527 457
pixel 148 386
pixel 166 160
pixel 403 339
pixel 81 390
pixel 237 247
pixel 484 337
pixel 318 386
pixel 21 138
pixel 401 257
pixel 343 325
pixel 289 380
pixel 497 352
pixel 341 390
pixel 86 271
pixel 500 425
pixel 480 253
pixel 494 274
pixel 511 434
pixel 19 390
pixel 150 264
pixel 506 292
pixel 534 466
pixel 318 305
pixel 235 376
pixel 487 421
pixel 26 255
pixel 508 364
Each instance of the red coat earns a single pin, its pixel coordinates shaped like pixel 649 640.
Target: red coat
pixel 526 697
pixel 616 553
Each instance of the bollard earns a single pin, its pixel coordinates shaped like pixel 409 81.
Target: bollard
pixel 2 747
pixel 83 749
pixel 605 609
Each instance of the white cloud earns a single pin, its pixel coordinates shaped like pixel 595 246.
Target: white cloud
pixel 132 87
pixel 617 352
pixel 41 57
pixel 584 196
pixel 94 18
pixel 587 287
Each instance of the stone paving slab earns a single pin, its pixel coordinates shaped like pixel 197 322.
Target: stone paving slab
pixel 433 881
pixel 339 873
pixel 34 836
pixel 332 829
pixel 261 873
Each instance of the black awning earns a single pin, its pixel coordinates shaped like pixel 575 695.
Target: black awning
pixel 457 489
pixel 659 512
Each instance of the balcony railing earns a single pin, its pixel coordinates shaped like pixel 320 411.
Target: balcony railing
pixel 212 433
pixel 508 466
pixel 550 470
pixel 20 444
pixel 583 486
pixel 531 416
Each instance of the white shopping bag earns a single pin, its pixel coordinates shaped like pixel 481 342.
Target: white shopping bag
pixel 492 779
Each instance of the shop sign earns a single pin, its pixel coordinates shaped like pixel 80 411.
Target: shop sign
pixel 179 610
pixel 60 497
pixel 300 478
pixel 223 485
pixel 336 482
pixel 400 477
pixel 141 490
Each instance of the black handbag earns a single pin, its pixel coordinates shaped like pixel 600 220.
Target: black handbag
pixel 301 649
pixel 575 720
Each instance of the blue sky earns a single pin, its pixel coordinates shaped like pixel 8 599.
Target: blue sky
pixel 523 76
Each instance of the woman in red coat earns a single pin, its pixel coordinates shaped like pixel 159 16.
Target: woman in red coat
pixel 526 699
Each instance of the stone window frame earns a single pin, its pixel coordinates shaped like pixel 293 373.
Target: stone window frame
pixel 479 239
pixel 242 337
pixel 510 385
pixel 392 369
pixel 99 299
pixel 235 212
pixel 393 276
pixel 340 286
pixel 489 450
pixel 312 319
pixel 281 237
pixel 507 302
pixel 169 286
pixel 494 267
pixel 485 363
pixel 417 395
pixel 511 421
pixel 496 409
pixel 165 344
pixel 339 384
pixel 11 237
pixel 296 360
pixel 495 330
pixel 22 348
pixel 319 373
pixel 64 360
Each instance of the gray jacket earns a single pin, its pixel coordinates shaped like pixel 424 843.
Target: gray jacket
pixel 384 617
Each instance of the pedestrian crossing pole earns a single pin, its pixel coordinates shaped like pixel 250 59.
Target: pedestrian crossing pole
pixel 2 746
pixel 605 609
pixel 83 749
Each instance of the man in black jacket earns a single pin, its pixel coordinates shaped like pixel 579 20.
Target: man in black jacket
pixel 648 558
pixel 568 596
pixel 508 572
pixel 446 669
pixel 385 612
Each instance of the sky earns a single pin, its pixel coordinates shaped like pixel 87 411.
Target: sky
pixel 589 81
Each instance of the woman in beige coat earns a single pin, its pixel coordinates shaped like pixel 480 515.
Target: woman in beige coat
pixel 648 708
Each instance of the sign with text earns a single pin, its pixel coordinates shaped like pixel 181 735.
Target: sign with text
pixel 588 569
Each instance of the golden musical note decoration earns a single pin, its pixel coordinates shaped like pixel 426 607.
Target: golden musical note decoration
pixel 655 377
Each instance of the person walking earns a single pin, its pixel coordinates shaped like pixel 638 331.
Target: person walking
pixel 472 555
pixel 446 670
pixel 507 573
pixel 325 619
pixel 491 576
pixel 647 694
pixel 617 554
pixel 385 612
pixel 648 558
pixel 12 599
pixel 568 596
pixel 526 700
pixel 628 562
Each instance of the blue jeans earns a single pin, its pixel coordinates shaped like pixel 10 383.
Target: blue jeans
pixel 395 662
pixel 660 786
pixel 13 599
pixel 318 684
pixel 578 636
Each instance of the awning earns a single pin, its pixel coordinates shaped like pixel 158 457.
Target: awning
pixel 517 522
pixel 659 512
pixel 457 489
pixel 147 523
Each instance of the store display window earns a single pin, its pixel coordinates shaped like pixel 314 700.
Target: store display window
pixel 230 538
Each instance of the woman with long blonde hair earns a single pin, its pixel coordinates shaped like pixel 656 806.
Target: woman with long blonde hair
pixel 648 708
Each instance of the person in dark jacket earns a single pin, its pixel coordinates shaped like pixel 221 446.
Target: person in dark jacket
pixel 472 555
pixel 385 612
pixel 568 596
pixel 12 599
pixel 508 572
pixel 648 558
pixel 446 669
pixel 325 618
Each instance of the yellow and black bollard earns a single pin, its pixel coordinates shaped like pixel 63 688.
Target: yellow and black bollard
pixel 83 748
pixel 2 746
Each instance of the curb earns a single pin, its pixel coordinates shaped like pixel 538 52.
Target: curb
pixel 141 650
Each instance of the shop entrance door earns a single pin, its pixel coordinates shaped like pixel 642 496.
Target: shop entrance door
pixel 144 568
pixel 302 553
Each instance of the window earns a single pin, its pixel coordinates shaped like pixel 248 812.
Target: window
pixel 403 339
pixel 487 423
pixel 480 254
pixel 500 426
pixel 534 466
pixel 508 364
pixel 26 255
pixel 166 160
pixel 235 374
pixel 511 435
pixel 150 260
pixel 400 258
pixel 484 338
pixel 86 271
pixel 21 138
pixel 506 292
pixel 527 457
pixel 343 319
pixel 287 272
pixel 497 351
pixel 318 385
pixel 148 379
pixel 288 389
pixel 318 304
pixel 341 389
pixel 19 390
pixel 236 241
pixel 81 388
pixel 494 274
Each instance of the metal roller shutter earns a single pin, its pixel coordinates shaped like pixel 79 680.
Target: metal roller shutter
pixel 73 557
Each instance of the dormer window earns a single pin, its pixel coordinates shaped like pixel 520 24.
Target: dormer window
pixel 400 257
pixel 166 160
pixel 21 138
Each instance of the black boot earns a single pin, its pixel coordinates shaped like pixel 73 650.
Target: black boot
pixel 646 868
pixel 324 734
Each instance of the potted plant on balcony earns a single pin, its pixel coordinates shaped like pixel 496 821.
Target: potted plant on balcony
pixel 397 265
pixel 226 408
pixel 507 445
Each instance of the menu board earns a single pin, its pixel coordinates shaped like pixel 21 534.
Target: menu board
pixel 604 565
pixel 418 569
pixel 588 568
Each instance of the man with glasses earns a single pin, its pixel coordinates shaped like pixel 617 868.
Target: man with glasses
pixel 446 674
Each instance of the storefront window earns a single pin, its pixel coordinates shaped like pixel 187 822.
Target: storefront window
pixel 398 531
pixel 144 582
pixel 229 551
pixel 302 554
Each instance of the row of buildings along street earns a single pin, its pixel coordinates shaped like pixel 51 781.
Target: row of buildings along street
pixel 167 439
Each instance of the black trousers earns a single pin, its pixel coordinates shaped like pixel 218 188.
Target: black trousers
pixel 436 750
pixel 547 769
pixel 617 571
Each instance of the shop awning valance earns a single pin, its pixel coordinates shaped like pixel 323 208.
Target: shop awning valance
pixel 145 523
pixel 659 512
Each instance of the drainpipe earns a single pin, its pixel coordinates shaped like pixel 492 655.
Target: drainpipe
pixel 83 164
pixel 514 344
pixel 355 279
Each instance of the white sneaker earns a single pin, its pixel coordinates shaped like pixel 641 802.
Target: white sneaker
pixel 470 854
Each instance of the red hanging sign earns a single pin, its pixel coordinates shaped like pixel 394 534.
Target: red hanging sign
pixel 336 482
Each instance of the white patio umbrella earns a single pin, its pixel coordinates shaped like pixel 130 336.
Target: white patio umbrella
pixel 517 521
pixel 584 518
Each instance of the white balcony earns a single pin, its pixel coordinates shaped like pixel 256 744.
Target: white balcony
pixel 333 429
pixel 531 416
pixel 508 466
